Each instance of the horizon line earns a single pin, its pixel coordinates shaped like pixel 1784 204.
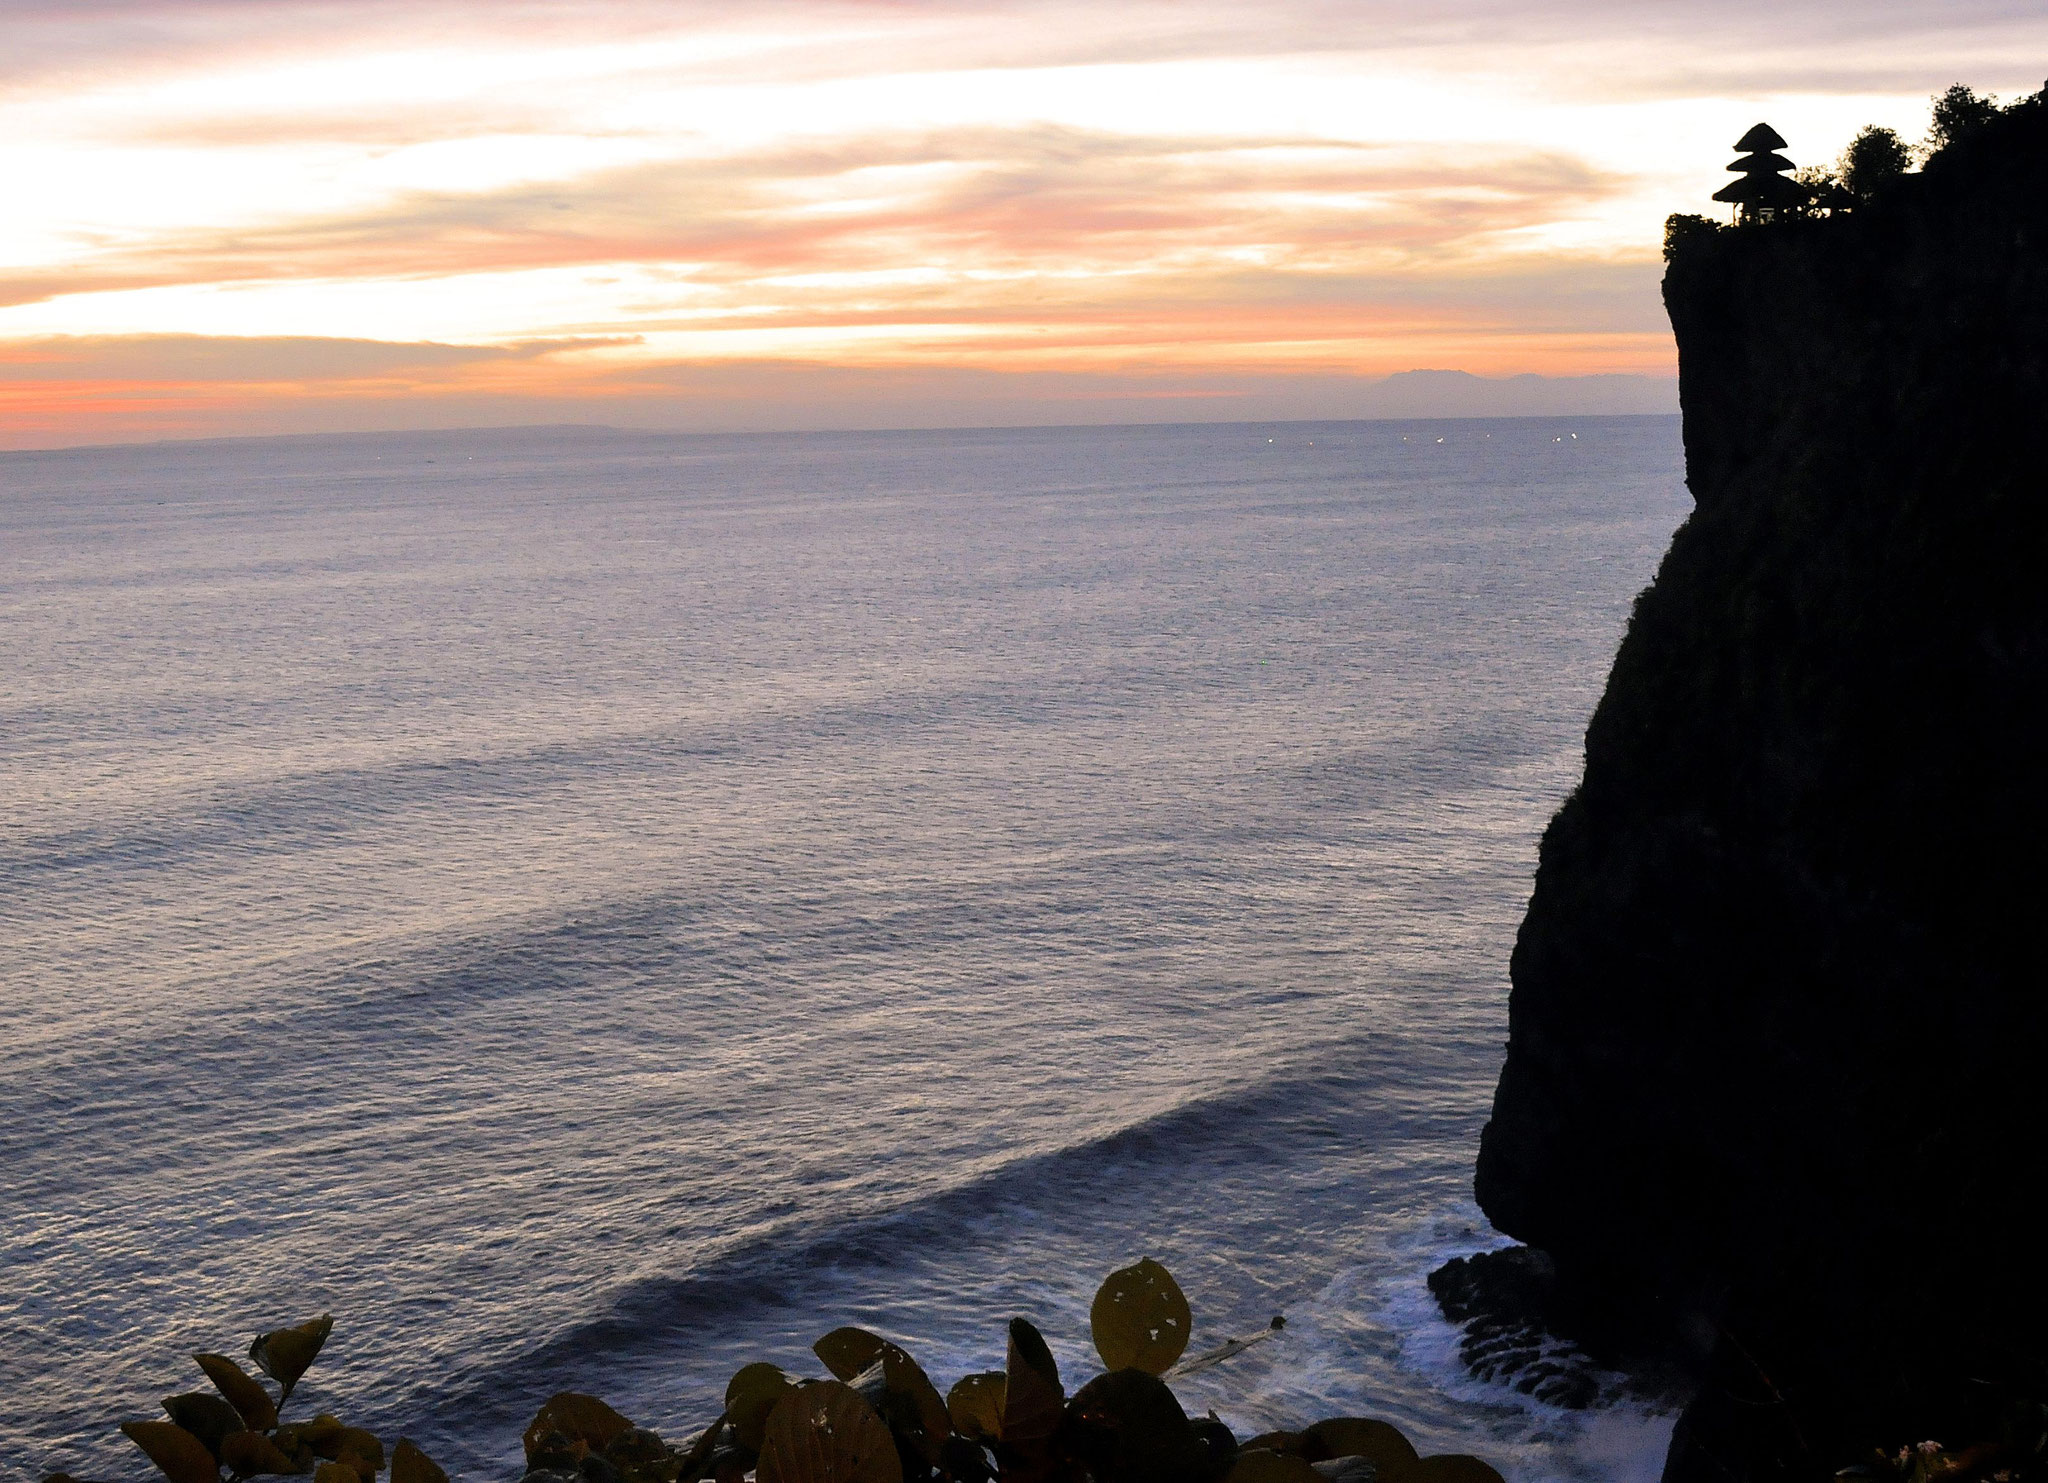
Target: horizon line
pixel 811 432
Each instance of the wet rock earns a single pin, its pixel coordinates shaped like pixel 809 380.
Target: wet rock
pixel 1515 1319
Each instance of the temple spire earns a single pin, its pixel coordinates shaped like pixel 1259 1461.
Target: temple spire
pixel 1762 189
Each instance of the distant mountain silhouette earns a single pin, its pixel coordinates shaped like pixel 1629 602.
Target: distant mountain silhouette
pixel 1462 394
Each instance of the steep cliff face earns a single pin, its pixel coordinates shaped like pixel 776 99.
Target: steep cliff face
pixel 1777 1074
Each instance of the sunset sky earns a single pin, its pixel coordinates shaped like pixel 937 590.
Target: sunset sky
pixel 260 217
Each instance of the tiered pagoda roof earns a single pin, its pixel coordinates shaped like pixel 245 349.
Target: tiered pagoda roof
pixel 1762 186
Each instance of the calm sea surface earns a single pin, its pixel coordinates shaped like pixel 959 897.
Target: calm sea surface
pixel 594 909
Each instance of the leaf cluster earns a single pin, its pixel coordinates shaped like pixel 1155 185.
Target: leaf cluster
pixel 1959 112
pixel 2018 1455
pixel 1878 156
pixel 237 1431
pixel 1684 229
pixel 878 1418
pixel 1875 157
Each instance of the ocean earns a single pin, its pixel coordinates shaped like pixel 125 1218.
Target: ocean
pixel 593 909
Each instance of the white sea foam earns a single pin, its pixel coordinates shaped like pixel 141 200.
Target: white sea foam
pixel 1620 1439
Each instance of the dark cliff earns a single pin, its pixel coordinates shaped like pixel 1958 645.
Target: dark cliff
pixel 1777 1073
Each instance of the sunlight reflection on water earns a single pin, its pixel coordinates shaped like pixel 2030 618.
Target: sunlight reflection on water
pixel 601 908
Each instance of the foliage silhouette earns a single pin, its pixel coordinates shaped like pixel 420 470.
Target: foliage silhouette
pixel 1958 113
pixel 1769 188
pixel 1825 193
pixel 825 1433
pixel 750 1396
pixel 1683 228
pixel 1140 1319
pixel 881 1420
pixel 1875 157
pixel 285 1354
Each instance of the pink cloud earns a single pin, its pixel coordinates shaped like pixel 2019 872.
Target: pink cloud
pixel 1266 254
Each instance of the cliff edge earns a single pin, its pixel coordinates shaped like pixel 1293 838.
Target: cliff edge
pixel 1777 1073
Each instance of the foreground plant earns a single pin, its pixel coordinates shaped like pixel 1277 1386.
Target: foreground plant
pixel 236 1429
pixel 2019 1455
pixel 878 1419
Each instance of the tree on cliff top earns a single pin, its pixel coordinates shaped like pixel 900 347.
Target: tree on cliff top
pixel 1825 194
pixel 1958 112
pixel 1683 229
pixel 1874 158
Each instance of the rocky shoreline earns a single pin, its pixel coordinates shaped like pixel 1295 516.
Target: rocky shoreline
pixel 1517 1329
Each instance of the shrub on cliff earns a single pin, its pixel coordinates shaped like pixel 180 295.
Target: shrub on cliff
pixel 1875 157
pixel 1684 229
pixel 1958 113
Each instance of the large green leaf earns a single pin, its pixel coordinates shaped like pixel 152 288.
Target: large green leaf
pixel 848 1351
pixel 1140 1319
pixel 178 1455
pixel 975 1406
pixel 286 1354
pixel 248 1453
pixel 825 1433
pixel 1127 1427
pixel 322 1434
pixel 641 1456
pixel 361 1450
pixel 893 1383
pixel 1378 1442
pixel 1033 1402
pixel 905 1398
pixel 205 1415
pixel 244 1394
pixel 1034 1406
pixel 586 1421
pixel 410 1465
pixel 749 1396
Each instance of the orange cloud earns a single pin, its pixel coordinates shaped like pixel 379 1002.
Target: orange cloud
pixel 199 359
pixel 989 201
pixel 435 209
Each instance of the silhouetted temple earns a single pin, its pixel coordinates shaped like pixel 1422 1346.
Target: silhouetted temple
pixel 1762 189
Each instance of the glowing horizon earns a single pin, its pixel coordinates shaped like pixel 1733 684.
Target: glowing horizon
pixel 268 217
